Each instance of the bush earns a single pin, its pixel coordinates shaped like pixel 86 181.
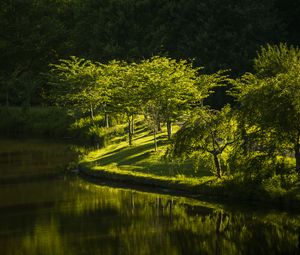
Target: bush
pixel 92 131
pixel 282 182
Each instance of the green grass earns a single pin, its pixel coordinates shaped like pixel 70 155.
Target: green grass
pixel 141 157
pixel 141 164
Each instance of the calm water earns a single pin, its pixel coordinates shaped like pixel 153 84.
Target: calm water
pixel 43 212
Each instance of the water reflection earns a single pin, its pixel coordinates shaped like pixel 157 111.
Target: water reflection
pixel 27 158
pixel 68 215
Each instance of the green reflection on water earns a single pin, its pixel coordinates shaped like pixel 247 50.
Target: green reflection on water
pixel 68 215
pixel 23 158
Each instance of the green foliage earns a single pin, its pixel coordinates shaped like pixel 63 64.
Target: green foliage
pixel 170 89
pixel 272 98
pixel 75 84
pixel 208 131
pixel 161 88
pixel 92 132
pixel 275 59
pixel 283 182
pixel 170 86
pixel 127 88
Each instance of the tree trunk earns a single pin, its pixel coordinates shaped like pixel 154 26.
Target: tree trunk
pixel 217 165
pixel 155 142
pixel 297 157
pixel 169 129
pixel 129 132
pixel 92 113
pixel 132 124
pixel 106 120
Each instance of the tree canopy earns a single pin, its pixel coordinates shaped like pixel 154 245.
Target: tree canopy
pixel 269 101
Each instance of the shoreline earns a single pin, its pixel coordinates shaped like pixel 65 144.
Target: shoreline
pixel 208 191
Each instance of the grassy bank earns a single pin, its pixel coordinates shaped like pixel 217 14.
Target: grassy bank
pixel 140 164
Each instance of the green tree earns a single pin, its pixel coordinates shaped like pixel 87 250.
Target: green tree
pixel 170 89
pixel 207 131
pixel 77 83
pixel 127 91
pixel 269 101
pixel 276 59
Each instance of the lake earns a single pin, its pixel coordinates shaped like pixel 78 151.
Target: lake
pixel 44 210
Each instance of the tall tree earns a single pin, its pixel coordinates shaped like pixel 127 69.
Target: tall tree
pixel 170 88
pixel 77 83
pixel 127 95
pixel 269 101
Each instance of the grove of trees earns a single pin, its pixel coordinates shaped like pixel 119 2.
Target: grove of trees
pixel 260 131
pixel 146 57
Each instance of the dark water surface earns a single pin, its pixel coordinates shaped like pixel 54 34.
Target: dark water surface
pixel 44 212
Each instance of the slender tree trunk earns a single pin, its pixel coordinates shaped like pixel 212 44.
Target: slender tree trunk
pixel 129 132
pixel 169 129
pixel 297 157
pixel 92 113
pixel 106 120
pixel 155 142
pixel 217 165
pixel 132 124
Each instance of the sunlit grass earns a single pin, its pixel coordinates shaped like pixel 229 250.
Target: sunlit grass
pixel 141 157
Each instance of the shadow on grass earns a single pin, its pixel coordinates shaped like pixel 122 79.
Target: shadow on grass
pixel 141 157
pixel 138 158
pixel 126 156
pixel 134 154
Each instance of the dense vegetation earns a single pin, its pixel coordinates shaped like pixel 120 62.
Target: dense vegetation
pixel 94 67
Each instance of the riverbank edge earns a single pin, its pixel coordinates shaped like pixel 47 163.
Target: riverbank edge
pixel 210 190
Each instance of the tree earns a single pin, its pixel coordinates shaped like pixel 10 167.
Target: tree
pixel 127 92
pixel 170 89
pixel 272 60
pixel 269 101
pixel 272 106
pixel 207 131
pixel 78 83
